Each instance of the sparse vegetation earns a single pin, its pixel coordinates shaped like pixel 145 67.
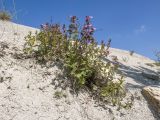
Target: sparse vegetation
pixel 131 52
pixel 125 59
pixel 158 56
pixel 5 16
pixel 82 60
pixel 157 63
pixel 59 94
pixel 150 64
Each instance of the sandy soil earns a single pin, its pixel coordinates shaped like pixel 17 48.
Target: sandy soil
pixel 27 92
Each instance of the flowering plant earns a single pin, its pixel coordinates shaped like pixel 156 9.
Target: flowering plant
pixel 88 30
pixel 73 28
pixel 80 56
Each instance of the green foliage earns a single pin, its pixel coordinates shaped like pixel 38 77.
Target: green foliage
pixel 59 94
pixel 83 61
pixel 5 16
pixel 157 63
pixel 77 65
pixel 114 91
pixel 48 44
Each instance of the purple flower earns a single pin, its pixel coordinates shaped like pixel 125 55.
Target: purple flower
pixel 44 26
pixel 73 19
pixel 90 25
pixel 85 26
pixel 87 19
pixel 80 47
pixel 90 17
pixel 94 29
pixel 88 41
pixel 88 30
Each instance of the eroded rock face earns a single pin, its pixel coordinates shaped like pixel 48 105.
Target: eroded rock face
pixel 152 76
pixel 152 94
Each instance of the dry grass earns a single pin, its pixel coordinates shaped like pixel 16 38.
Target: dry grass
pixel 157 63
pixel 5 16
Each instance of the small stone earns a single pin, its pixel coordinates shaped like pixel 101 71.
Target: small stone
pixel 28 86
pixel 1 79
pixel 35 113
pixel 9 87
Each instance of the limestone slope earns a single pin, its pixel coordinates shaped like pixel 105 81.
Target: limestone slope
pixel 27 90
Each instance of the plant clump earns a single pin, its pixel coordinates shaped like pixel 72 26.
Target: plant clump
pixel 131 52
pixel 5 16
pixel 158 58
pixel 82 59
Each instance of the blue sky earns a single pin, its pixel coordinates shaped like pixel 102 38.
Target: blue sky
pixel 131 24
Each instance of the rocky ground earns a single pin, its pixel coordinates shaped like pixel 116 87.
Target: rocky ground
pixel 29 91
